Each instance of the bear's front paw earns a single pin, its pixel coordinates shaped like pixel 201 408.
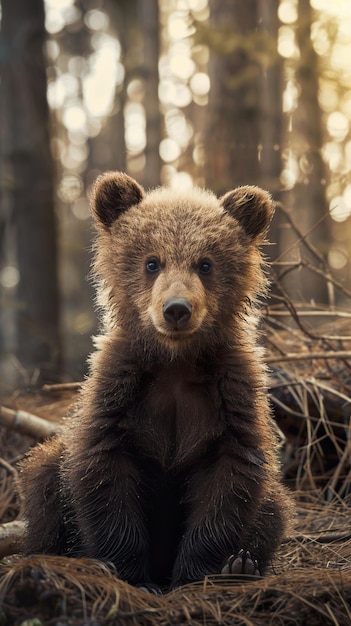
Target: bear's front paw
pixel 242 565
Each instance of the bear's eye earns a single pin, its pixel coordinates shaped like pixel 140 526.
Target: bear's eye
pixel 205 267
pixel 152 265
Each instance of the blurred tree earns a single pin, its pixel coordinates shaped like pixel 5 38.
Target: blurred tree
pixel 307 198
pixel 270 98
pixel 244 112
pixel 270 114
pixel 151 51
pixel 26 188
pixel 140 43
pixel 113 130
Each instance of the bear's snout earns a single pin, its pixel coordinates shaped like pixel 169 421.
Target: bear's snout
pixel 177 312
pixel 177 307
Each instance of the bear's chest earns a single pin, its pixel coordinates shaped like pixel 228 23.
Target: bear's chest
pixel 179 415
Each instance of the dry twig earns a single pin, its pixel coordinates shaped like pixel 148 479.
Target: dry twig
pixel 27 423
pixel 336 354
pixel 62 387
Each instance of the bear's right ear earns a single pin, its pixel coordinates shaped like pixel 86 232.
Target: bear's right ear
pixel 113 193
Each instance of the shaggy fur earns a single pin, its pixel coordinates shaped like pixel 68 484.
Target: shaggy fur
pixel 169 464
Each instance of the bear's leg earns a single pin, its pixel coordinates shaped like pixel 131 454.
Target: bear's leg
pixel 264 537
pixel 107 496
pixel 224 518
pixel 39 488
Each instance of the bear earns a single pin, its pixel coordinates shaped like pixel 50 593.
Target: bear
pixel 168 467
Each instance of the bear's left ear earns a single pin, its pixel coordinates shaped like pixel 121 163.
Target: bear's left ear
pixel 252 207
pixel 113 193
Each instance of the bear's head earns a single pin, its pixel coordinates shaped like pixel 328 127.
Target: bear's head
pixel 178 269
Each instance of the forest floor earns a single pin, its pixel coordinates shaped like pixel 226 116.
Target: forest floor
pixel 310 579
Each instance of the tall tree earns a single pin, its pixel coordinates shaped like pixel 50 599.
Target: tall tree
pixel 307 199
pixel 151 51
pixel 140 43
pixel 26 183
pixel 270 97
pixel 244 105
pixel 113 129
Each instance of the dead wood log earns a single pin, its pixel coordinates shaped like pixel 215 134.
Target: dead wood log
pixel 11 537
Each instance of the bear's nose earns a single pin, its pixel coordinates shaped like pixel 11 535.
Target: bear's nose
pixel 177 311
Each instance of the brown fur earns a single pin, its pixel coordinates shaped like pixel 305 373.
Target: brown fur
pixel 169 464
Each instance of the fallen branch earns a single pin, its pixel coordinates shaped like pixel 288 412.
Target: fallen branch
pixel 322 536
pixel 62 387
pixel 11 537
pixel 295 356
pixel 270 310
pixel 27 423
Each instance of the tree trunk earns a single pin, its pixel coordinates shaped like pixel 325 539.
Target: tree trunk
pixel 271 118
pixel 151 50
pixel 113 130
pixel 243 132
pixel 307 199
pixel 27 186
pixel 232 130
pixel 140 42
pixel 270 100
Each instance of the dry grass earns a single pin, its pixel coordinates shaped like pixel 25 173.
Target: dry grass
pixel 313 586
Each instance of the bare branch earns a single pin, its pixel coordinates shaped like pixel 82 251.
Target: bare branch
pixel 62 387
pixel 295 356
pixel 302 236
pixel 323 536
pixel 269 310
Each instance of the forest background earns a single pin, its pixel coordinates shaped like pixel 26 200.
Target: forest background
pixel 215 93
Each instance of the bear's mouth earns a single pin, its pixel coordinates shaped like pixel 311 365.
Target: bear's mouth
pixel 175 334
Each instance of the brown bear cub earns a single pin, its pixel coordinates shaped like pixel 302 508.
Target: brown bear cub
pixel 168 468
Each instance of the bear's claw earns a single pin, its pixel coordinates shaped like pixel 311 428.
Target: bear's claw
pixel 150 588
pixel 242 564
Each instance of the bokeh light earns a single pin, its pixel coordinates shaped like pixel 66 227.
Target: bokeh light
pixel 337 125
pixel 70 188
pixel 338 258
pixel 96 20
pixel 135 127
pixel 200 84
pixel 9 277
pixel 182 180
pixel 339 210
pixel 287 47
pixel 74 116
pixel 179 25
pixel 287 12
pixel 169 150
